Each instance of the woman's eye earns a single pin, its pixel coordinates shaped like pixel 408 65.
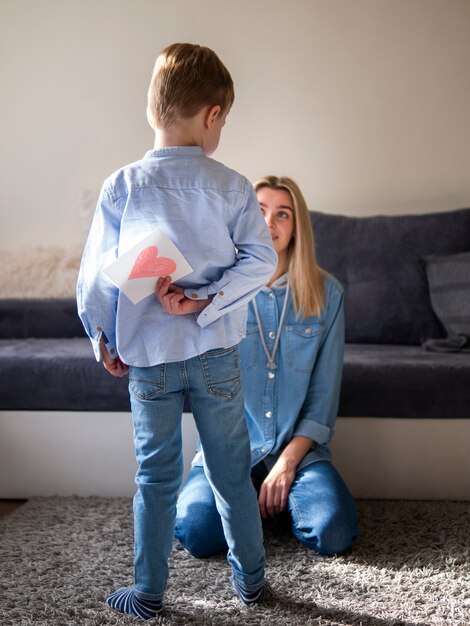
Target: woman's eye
pixel 283 214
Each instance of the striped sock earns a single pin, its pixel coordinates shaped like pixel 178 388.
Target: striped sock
pixel 249 598
pixel 127 601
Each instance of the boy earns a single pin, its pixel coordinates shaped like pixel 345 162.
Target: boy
pixel 212 215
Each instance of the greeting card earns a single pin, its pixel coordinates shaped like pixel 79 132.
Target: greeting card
pixel 136 272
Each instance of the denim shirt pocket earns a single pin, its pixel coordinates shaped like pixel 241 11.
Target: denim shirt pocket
pixel 303 343
pixel 249 347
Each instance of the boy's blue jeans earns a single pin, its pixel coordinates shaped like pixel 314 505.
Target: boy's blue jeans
pixel 157 395
pixel 322 511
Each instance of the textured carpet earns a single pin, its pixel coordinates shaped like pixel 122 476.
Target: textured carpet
pixel 60 557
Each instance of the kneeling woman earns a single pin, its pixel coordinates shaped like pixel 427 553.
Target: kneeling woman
pixel 291 363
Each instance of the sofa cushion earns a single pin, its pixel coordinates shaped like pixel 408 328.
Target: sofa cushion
pixel 378 261
pixel 21 318
pixel 58 374
pixel 449 287
pixel 404 381
pixel 378 380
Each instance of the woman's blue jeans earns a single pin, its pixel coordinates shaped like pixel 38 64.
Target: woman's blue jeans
pixel 157 394
pixel 322 511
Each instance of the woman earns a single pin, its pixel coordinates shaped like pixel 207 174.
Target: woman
pixel 291 363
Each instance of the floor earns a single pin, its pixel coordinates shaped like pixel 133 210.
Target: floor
pixel 8 506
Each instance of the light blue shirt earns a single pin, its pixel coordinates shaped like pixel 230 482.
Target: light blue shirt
pixel 300 396
pixel 212 215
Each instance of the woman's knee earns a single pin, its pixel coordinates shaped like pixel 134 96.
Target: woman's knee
pixel 197 532
pixel 334 536
pixel 198 525
pixel 323 510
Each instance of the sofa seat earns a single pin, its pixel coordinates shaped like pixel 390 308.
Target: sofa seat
pixel 58 375
pixel 379 380
pixel 382 380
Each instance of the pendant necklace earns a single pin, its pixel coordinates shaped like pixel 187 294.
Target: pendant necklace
pixel 270 356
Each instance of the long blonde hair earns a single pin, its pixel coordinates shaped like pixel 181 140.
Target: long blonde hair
pixel 306 278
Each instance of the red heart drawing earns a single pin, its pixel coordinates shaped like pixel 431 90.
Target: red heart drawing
pixel 148 264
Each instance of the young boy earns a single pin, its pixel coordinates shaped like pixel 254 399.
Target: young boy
pixel 212 215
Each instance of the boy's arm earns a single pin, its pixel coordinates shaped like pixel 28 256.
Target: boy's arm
pixel 114 366
pixel 96 295
pixel 256 262
pixel 174 301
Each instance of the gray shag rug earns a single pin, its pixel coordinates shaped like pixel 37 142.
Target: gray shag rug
pixel 60 557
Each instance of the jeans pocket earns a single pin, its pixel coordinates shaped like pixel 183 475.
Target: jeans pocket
pixel 147 383
pixel 221 368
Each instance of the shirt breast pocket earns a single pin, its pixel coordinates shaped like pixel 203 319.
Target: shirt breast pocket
pixel 303 343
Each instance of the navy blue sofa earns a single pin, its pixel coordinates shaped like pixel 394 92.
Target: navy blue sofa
pixel 46 362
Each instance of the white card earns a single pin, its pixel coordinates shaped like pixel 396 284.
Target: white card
pixel 136 272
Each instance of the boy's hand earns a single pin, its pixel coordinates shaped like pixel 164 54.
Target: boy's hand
pixel 114 366
pixel 174 301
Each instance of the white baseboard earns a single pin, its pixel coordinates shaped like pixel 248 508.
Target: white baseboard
pixel 411 459
pixel 44 453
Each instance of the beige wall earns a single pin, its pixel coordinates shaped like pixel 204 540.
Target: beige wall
pixel 365 102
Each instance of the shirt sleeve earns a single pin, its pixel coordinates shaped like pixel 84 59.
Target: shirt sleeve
pixel 255 263
pixel 96 295
pixel 318 415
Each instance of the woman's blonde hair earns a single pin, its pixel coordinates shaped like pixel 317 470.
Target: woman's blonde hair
pixel 306 278
pixel 187 77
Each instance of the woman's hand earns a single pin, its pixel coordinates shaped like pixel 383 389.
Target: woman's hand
pixel 174 301
pixel 273 494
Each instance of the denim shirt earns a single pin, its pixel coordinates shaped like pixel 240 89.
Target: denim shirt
pixel 212 215
pixel 300 396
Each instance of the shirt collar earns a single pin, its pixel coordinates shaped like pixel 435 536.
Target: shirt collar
pixel 279 283
pixel 174 151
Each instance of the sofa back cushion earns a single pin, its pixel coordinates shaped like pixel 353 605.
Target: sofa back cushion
pixel 37 292
pixel 378 260
pixel 30 317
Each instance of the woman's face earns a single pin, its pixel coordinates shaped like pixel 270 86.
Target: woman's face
pixel 278 212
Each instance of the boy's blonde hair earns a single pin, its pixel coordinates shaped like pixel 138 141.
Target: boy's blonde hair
pixel 187 77
pixel 306 278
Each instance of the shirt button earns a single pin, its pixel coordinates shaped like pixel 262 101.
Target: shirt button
pixel 99 329
pixel 308 331
pixel 269 414
pixel 271 374
pixel 272 335
pixel 221 293
pixel 194 295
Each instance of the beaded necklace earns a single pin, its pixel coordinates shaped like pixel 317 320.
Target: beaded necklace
pixel 270 356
